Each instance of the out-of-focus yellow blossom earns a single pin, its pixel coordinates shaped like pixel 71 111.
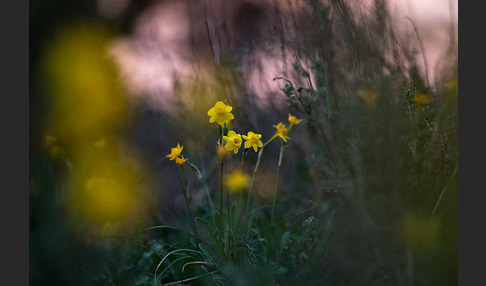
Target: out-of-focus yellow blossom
pixel 453 84
pixel 368 96
pixel 282 131
pixel 421 233
pixel 253 140
pixel 180 160
pixel 101 143
pixel 220 113
pixel 422 99
pixel 222 151
pixel 233 141
pixel 107 198
pixel 175 152
pixel 293 121
pixel 237 182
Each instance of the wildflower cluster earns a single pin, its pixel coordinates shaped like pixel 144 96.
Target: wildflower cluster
pixel 221 113
pixel 175 154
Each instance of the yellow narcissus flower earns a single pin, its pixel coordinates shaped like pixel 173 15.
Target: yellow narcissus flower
pixel 282 131
pixel 294 120
pixel 180 160
pixel 175 152
pixel 253 140
pixel 236 182
pixel 421 98
pixel 233 141
pixel 220 113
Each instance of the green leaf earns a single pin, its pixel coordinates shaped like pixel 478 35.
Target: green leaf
pixel 235 217
pixel 218 220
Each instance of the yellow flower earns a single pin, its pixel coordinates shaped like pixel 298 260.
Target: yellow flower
pixel 101 143
pixel 421 233
pixel 236 182
pixel 421 98
pixel 220 113
pixel 175 152
pixel 222 151
pixel 233 141
pixel 282 131
pixel 180 160
pixel 253 140
pixel 293 120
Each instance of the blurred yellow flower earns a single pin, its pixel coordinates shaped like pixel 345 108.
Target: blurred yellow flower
pixel 101 143
pixel 421 98
pixel 282 131
pixel 180 160
pixel 453 84
pixel 253 140
pixel 236 182
pixel 220 113
pixel 368 96
pixel 222 151
pixel 420 233
pixel 233 141
pixel 175 152
pixel 294 120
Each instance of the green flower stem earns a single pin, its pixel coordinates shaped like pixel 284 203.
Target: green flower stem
pixel 276 179
pixel 243 160
pixel 252 180
pixel 220 131
pixel 227 199
pixel 205 185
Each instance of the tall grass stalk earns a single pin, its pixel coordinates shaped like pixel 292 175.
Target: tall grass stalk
pixel 220 131
pixel 250 190
pixel 276 180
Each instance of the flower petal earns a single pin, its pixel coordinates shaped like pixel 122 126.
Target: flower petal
pixel 229 146
pixel 211 111
pixel 247 144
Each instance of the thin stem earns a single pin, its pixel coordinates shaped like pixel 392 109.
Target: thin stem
pixel 253 179
pixel 220 130
pixel 276 180
pixel 243 160
pixel 227 201
pixel 205 185
pixel 443 191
